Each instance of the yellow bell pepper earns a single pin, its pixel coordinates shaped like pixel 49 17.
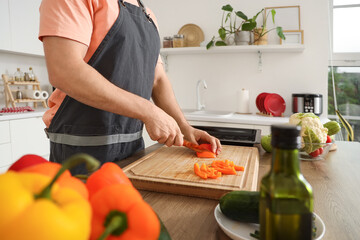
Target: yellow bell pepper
pixel 33 206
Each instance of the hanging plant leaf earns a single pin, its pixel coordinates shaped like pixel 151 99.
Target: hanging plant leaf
pixel 220 43
pixel 240 14
pixel 210 44
pixel 228 8
pixel 280 33
pixel 222 33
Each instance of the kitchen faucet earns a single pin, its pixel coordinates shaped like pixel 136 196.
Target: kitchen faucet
pixel 199 105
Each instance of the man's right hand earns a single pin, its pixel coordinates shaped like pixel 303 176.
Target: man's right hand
pixel 162 128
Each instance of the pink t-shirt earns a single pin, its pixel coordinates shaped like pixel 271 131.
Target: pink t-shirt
pixel 84 21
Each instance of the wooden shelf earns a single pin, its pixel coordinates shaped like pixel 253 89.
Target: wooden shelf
pixel 9 98
pixel 232 49
pixel 259 49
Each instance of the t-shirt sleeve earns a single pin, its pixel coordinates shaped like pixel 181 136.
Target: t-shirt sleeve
pixel 153 17
pixel 70 19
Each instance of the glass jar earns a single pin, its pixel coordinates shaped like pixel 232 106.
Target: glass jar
pixel 168 42
pixel 31 74
pixel 18 75
pixel 178 41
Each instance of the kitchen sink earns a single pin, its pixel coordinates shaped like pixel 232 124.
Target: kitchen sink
pixel 214 113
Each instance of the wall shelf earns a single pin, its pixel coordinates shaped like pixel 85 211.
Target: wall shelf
pixel 259 49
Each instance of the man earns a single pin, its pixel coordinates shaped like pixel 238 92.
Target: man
pixel 103 59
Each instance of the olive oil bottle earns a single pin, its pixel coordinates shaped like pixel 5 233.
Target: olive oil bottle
pixel 286 198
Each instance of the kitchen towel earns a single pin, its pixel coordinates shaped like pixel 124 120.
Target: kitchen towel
pixel 44 95
pixel 243 101
pixel 32 94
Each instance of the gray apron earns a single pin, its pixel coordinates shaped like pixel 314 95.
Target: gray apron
pixel 127 57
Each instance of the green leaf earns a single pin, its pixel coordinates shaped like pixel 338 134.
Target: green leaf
pixel 220 43
pixel 222 33
pixel 240 14
pixel 210 44
pixel 227 17
pixel 280 33
pixel 311 141
pixel 273 12
pixel 228 8
pixel 248 26
pixel 255 17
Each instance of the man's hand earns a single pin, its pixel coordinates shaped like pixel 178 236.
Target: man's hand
pixel 199 136
pixel 163 128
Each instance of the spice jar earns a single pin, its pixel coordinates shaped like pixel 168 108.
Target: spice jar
pixel 18 75
pixel 178 41
pixel 31 74
pixel 168 42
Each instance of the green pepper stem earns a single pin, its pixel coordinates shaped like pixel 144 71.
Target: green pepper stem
pixel 91 165
pixel 114 224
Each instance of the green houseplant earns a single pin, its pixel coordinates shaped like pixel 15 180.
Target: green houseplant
pixel 260 34
pixel 246 25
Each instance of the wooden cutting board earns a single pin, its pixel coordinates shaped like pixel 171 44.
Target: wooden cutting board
pixel 171 170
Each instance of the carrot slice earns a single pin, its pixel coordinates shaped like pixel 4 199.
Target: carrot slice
pixel 205 155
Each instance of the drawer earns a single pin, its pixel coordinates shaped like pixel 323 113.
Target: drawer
pixel 4 132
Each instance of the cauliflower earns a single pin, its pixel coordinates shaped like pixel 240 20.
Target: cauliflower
pixel 312 130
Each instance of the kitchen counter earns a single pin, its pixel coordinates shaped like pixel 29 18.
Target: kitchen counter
pixel 336 194
pixel 38 112
pixel 255 119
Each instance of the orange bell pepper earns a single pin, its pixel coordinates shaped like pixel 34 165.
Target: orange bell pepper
pixel 108 174
pixel 119 212
pixel 205 155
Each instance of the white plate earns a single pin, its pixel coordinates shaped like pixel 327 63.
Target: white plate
pixel 241 231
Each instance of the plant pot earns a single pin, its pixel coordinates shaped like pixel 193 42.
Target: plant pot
pixel 230 40
pixel 258 39
pixel 242 38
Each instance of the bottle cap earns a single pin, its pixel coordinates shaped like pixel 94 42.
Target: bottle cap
pixel 285 136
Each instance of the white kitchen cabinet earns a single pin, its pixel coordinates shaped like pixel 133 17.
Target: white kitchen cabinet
pixel 5 33
pixel 28 137
pixel 4 132
pixel 6 157
pixel 24 23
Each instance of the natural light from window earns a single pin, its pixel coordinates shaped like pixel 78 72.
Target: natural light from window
pixel 346 18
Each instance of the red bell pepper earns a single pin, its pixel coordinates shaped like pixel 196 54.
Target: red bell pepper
pixel 27 161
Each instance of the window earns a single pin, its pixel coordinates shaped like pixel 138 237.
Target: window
pixel 345 63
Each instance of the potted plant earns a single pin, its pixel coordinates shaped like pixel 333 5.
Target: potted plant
pixel 225 32
pixel 260 34
pixel 241 33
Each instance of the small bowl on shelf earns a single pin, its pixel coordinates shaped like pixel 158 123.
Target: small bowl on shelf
pixel 318 151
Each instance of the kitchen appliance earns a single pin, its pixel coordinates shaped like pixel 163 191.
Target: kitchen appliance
pixel 234 136
pixel 171 170
pixel 307 103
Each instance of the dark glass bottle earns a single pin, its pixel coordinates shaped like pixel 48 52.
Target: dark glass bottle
pixel 286 198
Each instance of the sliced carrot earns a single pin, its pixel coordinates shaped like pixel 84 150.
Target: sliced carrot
pixel 198 172
pixel 205 154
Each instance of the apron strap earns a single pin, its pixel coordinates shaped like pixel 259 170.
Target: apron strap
pixel 74 140
pixel 141 4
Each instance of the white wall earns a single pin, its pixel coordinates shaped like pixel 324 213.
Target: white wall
pixel 282 73
pixel 8 64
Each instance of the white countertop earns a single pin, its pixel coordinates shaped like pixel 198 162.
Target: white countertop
pixel 39 112
pixel 253 119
